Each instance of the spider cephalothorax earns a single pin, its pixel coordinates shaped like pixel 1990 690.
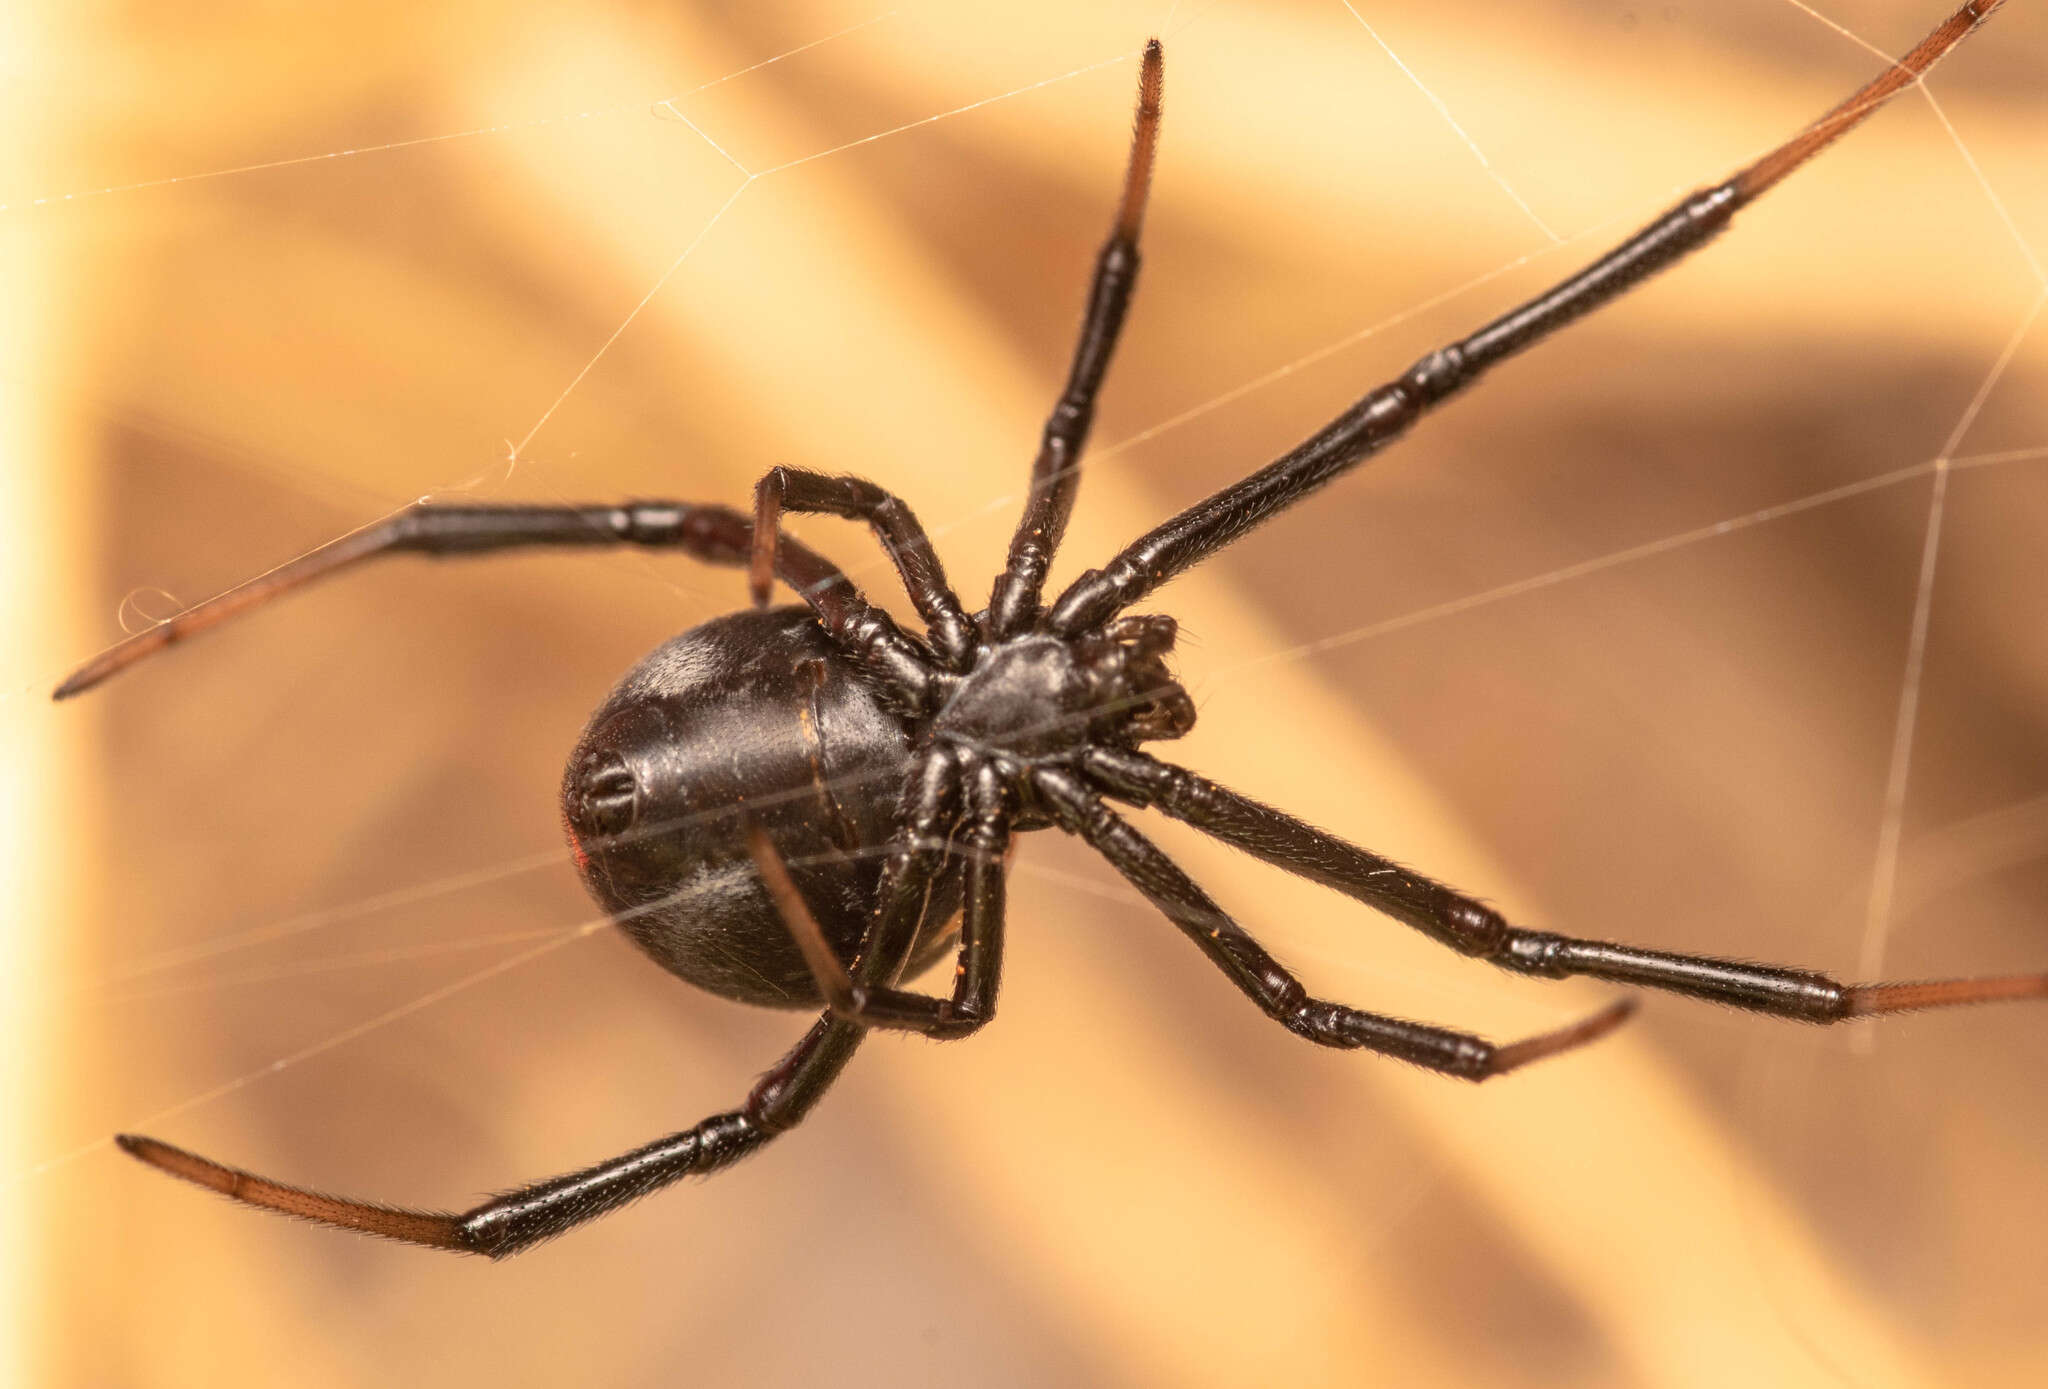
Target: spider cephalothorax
pixel 1040 697
pixel 792 806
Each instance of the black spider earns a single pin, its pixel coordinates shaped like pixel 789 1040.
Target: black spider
pixel 792 806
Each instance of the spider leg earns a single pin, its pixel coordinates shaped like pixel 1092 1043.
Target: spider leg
pixel 1055 473
pixel 519 1219
pixel 714 534
pixel 894 524
pixel 1386 412
pixel 975 979
pixel 1474 928
pixel 1268 984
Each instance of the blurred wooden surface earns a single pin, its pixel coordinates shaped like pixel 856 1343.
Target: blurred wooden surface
pixel 342 808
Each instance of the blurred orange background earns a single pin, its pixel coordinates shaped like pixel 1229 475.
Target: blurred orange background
pixel 261 884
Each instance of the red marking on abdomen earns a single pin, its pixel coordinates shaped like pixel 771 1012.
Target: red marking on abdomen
pixel 576 846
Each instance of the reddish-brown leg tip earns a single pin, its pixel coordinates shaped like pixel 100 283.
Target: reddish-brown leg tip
pixel 1570 1037
pixel 178 1163
pixel 434 1229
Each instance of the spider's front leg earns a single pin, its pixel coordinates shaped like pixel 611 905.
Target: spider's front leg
pixel 1387 411
pixel 1056 471
pixel 713 534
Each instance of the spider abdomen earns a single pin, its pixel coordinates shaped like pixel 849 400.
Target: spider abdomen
pixel 750 718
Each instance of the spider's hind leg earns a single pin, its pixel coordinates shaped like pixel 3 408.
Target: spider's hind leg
pixel 972 1003
pixel 520 1219
pixel 1473 928
pixel 1268 984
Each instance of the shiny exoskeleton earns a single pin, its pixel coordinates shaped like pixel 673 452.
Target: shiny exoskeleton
pixel 754 720
pixel 795 806
pixel 751 719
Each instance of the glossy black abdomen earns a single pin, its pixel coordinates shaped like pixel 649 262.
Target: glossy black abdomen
pixel 750 715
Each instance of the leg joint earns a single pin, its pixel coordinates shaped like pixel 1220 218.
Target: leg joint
pixel 957 1021
pixel 1534 952
pixel 766 1111
pixel 1477 929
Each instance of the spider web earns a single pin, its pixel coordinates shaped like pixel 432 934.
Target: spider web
pixel 1527 227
